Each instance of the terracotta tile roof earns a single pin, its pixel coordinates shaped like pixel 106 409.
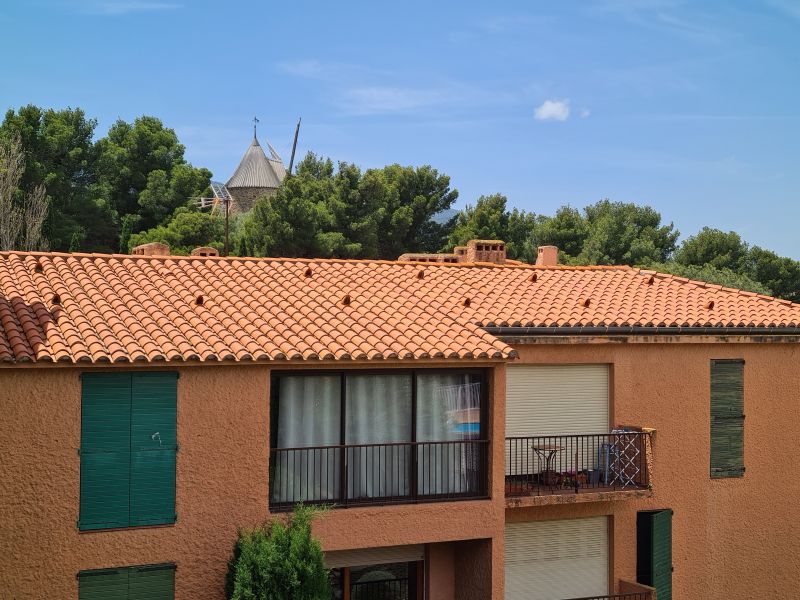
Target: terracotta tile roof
pixel 119 308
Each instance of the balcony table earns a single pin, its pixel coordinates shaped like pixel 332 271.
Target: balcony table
pixel 547 452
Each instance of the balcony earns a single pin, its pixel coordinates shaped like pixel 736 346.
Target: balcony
pixel 376 474
pixel 576 468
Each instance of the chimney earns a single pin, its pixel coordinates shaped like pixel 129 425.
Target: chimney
pixel 487 251
pixel 151 249
pixel 548 256
pixel 205 251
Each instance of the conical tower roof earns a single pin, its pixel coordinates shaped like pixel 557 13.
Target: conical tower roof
pixel 256 170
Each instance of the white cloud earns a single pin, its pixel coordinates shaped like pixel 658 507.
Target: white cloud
pixel 124 8
pixel 585 112
pixel 553 110
pixel 377 99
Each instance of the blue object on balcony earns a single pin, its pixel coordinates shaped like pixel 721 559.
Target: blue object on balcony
pixel 467 428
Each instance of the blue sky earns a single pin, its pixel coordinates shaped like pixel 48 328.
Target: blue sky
pixel 693 108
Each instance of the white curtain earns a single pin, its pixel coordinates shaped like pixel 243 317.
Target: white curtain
pixel 309 414
pixel 448 410
pixel 378 411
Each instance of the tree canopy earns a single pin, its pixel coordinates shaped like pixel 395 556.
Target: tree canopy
pixel 617 233
pixel 277 561
pixel 489 219
pixel 101 191
pixel 185 230
pixel 329 211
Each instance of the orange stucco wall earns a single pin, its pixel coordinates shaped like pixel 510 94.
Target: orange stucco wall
pixel 732 538
pixel 222 484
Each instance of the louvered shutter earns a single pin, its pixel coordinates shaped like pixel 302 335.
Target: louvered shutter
pixel 152 583
pixel 727 418
pixel 105 450
pixel 153 448
pixel 654 551
pixel 106 584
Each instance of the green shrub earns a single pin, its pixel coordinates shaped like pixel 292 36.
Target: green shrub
pixel 280 560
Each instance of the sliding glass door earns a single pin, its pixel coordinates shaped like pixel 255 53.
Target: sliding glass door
pixel 359 437
pixel 308 411
pixel 377 432
pixel 448 413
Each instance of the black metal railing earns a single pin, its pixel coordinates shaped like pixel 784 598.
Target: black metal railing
pixel 560 464
pixel 626 596
pixel 383 589
pixel 378 473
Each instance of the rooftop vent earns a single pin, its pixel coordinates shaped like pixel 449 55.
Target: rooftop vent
pixel 151 249
pixel 428 258
pixel 205 251
pixel 548 256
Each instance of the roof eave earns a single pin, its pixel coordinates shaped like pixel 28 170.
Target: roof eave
pixel 638 330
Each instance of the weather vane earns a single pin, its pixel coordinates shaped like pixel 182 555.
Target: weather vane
pixel 255 122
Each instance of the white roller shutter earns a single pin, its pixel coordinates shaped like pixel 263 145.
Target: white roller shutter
pixel 556 560
pixel 374 556
pixel 560 399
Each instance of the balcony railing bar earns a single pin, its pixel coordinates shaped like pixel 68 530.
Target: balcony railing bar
pixel 625 596
pixel 395 472
pixel 384 589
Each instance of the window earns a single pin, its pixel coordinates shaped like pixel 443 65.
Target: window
pixel 393 581
pixel 151 582
pixel 727 418
pixel 128 447
pixel 364 436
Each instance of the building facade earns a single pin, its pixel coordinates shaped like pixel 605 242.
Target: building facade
pixel 482 430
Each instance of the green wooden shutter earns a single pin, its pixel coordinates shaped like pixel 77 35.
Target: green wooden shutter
pixel 153 447
pixel 727 418
pixel 654 551
pixel 152 583
pixel 105 450
pixel 105 584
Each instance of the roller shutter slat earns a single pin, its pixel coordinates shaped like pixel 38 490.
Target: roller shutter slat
pixel 373 556
pixel 552 400
pixel 552 560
